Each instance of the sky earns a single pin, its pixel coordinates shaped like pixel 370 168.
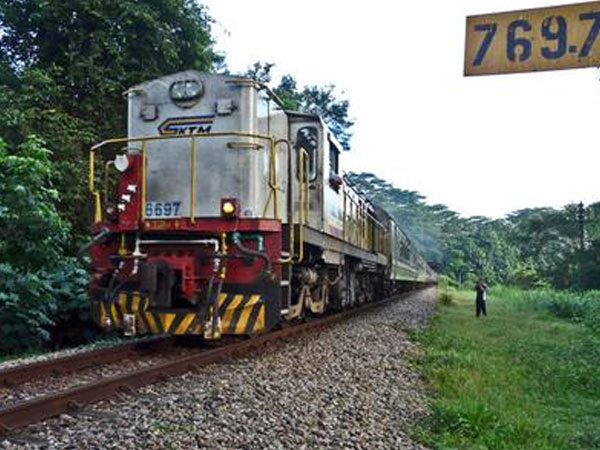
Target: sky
pixel 483 145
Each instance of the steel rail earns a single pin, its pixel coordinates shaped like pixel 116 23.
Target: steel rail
pixel 79 361
pixel 38 409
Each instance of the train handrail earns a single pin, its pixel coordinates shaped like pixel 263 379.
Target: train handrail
pixel 303 200
pixel 272 176
pixel 360 220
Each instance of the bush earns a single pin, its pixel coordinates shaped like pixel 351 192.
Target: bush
pixel 574 306
pixel 32 233
pixel 445 282
pixel 527 277
pixel 39 286
pixel 26 309
pixel 446 298
pixel 72 320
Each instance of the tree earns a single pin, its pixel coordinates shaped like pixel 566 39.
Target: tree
pixel 319 100
pixel 32 237
pixel 94 50
pixel 322 101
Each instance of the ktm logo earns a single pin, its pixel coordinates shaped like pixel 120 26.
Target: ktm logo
pixel 186 125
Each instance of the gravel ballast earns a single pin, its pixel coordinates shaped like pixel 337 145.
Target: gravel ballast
pixel 347 387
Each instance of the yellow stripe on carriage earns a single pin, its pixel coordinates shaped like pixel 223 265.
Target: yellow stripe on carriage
pixel 222 298
pixel 253 301
pixel 185 323
pixel 259 325
pixel 114 315
pixel 228 315
pixel 240 326
pixel 102 314
pixel 151 322
pixel 167 320
pixel 123 303
pixel 135 305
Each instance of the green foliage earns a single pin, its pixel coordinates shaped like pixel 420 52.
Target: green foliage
pixel 446 297
pixel 578 307
pixel 36 283
pixel 446 290
pixel 32 233
pixel 72 317
pixel 530 248
pixel 526 277
pixel 445 282
pixel 26 308
pixel 519 379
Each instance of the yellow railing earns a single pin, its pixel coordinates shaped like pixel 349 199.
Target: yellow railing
pixel 193 181
pixel 358 225
pixel 272 176
pixel 303 200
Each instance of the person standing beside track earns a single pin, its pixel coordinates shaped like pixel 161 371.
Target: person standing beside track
pixel 480 298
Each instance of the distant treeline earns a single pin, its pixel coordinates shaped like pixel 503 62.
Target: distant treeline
pixel 534 247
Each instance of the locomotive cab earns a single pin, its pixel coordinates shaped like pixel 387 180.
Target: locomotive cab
pixel 231 123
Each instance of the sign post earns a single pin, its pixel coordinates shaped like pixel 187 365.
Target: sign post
pixel 559 37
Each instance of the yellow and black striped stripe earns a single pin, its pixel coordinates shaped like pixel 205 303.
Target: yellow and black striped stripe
pixel 240 314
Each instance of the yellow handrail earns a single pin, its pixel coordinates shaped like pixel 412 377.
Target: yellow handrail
pixel 290 258
pixel 303 200
pixel 352 222
pixel 193 181
pixel 97 207
pixel 91 174
pixel 143 212
pixel 344 216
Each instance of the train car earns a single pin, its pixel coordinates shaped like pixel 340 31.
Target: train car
pixel 221 213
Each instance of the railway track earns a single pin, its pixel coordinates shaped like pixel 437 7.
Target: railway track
pixel 13 376
pixel 73 399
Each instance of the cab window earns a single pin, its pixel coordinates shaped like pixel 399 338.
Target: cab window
pixel 308 139
pixel 334 158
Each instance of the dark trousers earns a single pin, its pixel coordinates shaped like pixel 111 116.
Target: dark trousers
pixel 480 307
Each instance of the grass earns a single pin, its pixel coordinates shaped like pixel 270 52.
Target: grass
pixel 520 378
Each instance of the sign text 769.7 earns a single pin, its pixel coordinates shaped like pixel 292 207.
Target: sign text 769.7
pixel 559 37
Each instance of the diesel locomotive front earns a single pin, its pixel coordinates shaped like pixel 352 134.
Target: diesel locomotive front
pixel 222 213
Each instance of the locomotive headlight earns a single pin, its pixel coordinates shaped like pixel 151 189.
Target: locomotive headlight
pixel 178 91
pixel 186 90
pixel 192 89
pixel 230 207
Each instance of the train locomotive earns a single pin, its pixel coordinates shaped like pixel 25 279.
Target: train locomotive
pixel 222 213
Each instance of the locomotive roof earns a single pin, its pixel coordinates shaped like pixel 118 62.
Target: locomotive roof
pixel 241 78
pixel 197 73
